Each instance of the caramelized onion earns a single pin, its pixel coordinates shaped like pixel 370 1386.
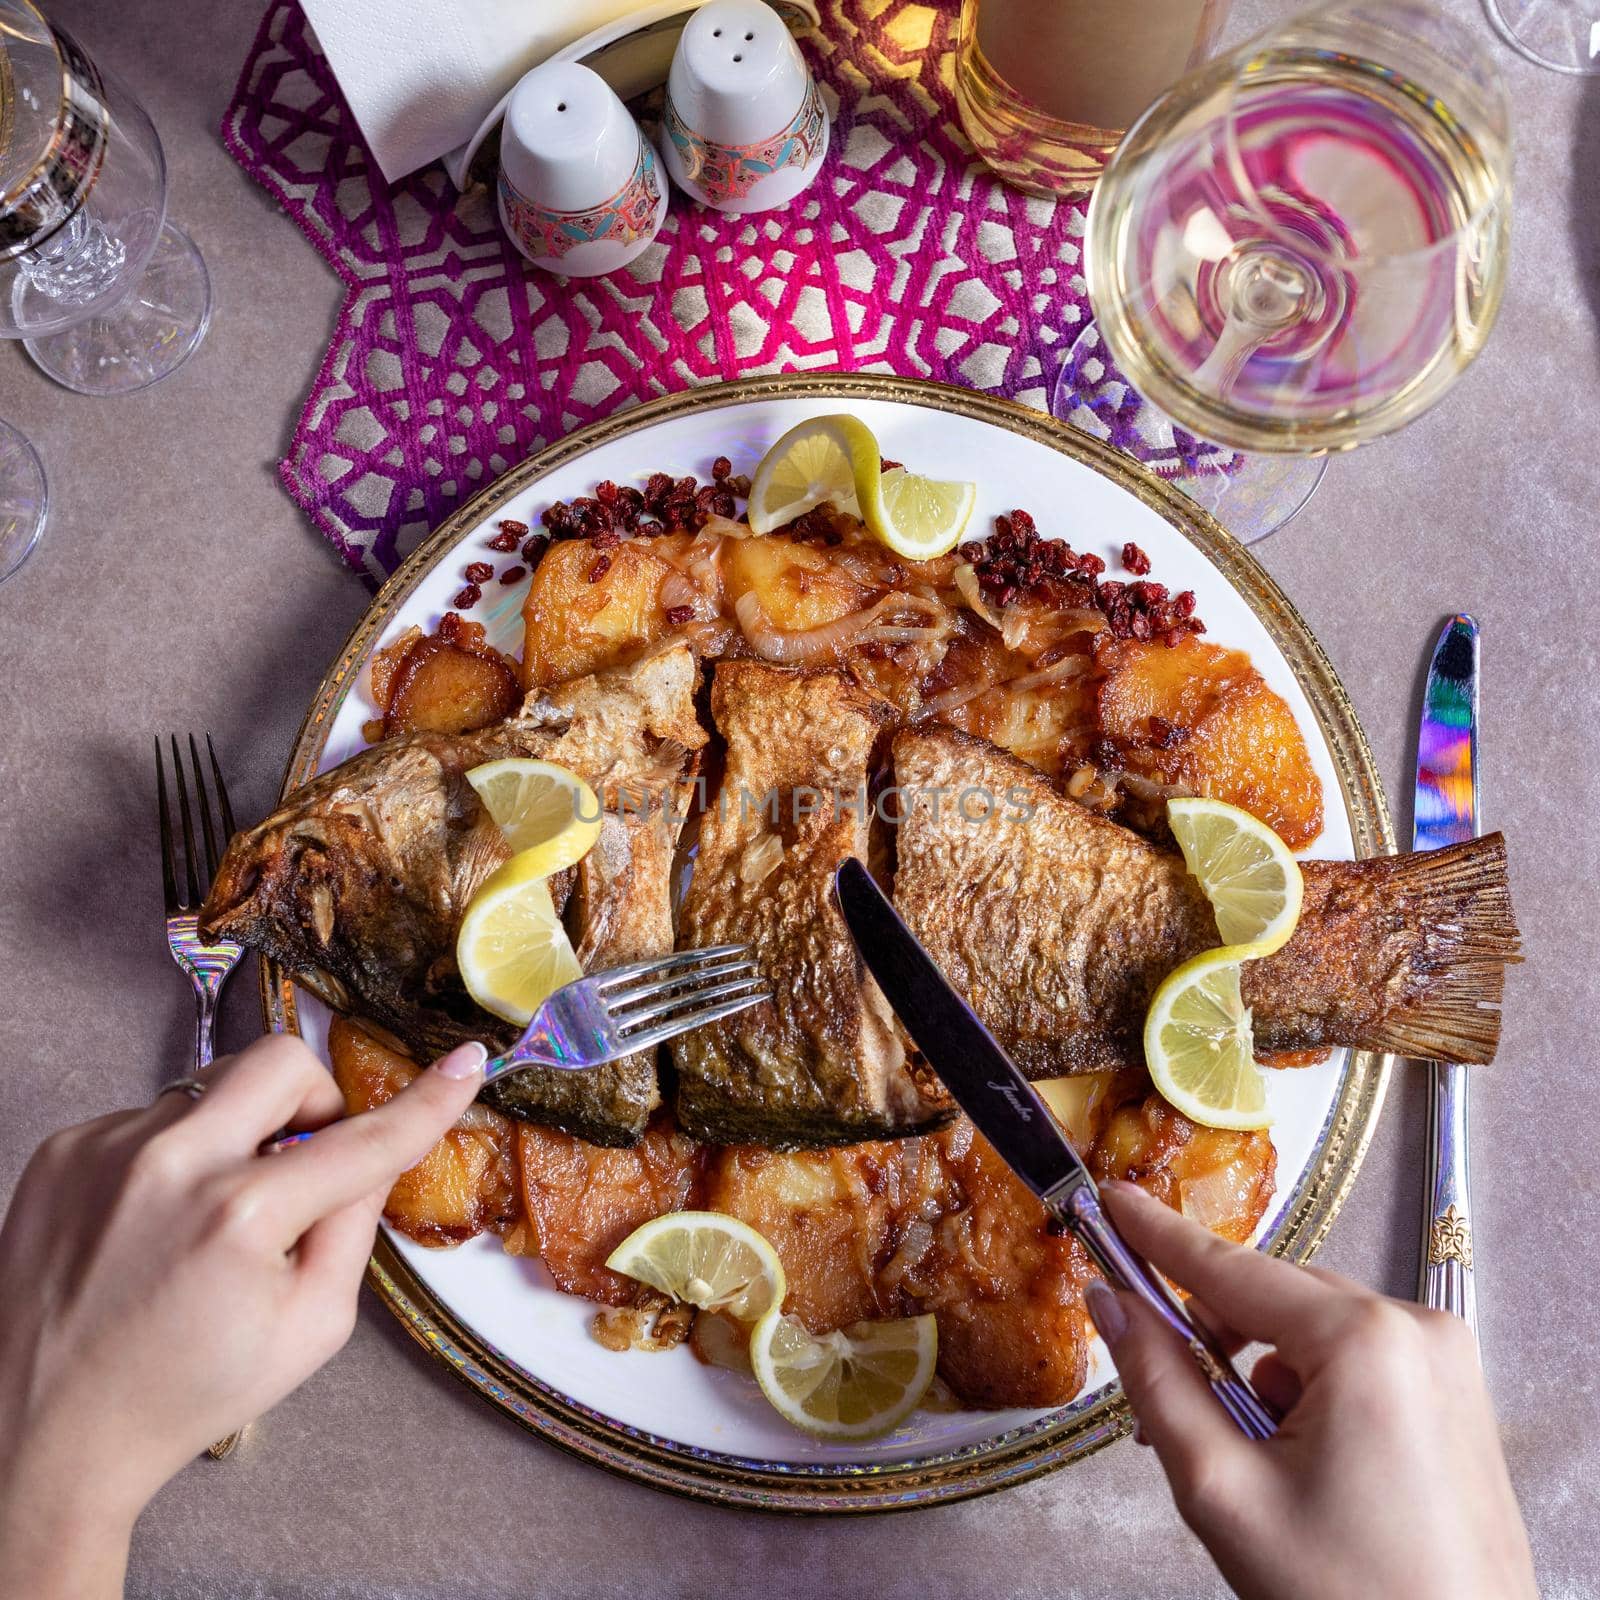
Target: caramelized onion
pixel 678 590
pixel 1013 628
pixel 897 635
pixel 805 646
pixel 1143 788
pixel 966 579
pixel 913 1247
pixel 1056 672
pixel 952 698
pixel 1215 1196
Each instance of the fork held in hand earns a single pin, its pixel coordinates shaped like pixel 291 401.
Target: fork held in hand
pixel 185 884
pixel 611 1014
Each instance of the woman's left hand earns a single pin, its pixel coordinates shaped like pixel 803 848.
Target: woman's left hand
pixel 164 1283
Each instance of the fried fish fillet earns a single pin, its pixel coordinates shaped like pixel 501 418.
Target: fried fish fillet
pixel 1059 925
pixel 823 1062
pixel 358 883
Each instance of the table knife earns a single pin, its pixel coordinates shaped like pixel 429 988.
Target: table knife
pixel 1008 1112
pixel 1445 811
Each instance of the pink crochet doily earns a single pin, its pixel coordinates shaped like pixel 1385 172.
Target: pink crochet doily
pixel 452 359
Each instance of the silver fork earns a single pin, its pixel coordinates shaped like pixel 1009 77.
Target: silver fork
pixel 207 965
pixel 611 1014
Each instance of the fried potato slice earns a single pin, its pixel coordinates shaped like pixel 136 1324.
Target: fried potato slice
pixel 1230 736
pixel 582 1200
pixel 466 1183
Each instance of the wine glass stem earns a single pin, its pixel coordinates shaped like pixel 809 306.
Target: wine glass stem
pixel 1267 293
pixel 77 264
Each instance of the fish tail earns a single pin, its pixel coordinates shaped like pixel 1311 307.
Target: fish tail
pixel 1461 897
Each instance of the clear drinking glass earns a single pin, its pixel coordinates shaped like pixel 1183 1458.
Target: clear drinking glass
pixel 1563 35
pixel 106 294
pixel 1301 246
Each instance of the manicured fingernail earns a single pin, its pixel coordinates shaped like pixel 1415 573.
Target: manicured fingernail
pixel 1106 1309
pixel 287 1142
pixel 465 1061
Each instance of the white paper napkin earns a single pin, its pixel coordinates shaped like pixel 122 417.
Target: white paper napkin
pixel 421 75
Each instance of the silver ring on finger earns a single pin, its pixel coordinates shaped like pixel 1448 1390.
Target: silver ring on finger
pixel 193 1087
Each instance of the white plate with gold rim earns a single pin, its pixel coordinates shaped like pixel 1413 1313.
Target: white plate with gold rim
pixel 664 1418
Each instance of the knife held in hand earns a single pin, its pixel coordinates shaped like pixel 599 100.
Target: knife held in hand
pixel 1007 1111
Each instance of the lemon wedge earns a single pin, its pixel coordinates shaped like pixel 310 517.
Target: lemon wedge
pixel 918 518
pixel 1248 873
pixel 836 458
pixel 544 811
pixel 1199 1046
pixel 854 1384
pixel 710 1260
pixel 827 458
pixel 512 949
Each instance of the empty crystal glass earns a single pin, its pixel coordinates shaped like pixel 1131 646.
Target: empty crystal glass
pixel 106 294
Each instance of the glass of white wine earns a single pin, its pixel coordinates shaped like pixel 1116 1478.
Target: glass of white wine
pixel 1300 247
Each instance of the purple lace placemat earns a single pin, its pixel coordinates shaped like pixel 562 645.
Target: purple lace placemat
pixel 452 359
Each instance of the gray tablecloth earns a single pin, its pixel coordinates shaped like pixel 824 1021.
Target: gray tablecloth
pixel 180 588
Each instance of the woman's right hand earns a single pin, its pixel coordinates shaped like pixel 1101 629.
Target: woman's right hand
pixel 1385 1478
pixel 164 1281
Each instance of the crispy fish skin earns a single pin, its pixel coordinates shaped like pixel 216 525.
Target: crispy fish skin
pixel 358 883
pixel 823 1063
pixel 1058 926
pixel 623 901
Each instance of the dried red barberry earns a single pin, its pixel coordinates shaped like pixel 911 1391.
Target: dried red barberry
pixel 533 548
pixel 478 572
pixel 720 468
pixel 886 465
pixel 1135 560
pixel 601 567
pixel 505 540
pixel 678 615
pixel 511 525
pixel 467 597
pixel 512 574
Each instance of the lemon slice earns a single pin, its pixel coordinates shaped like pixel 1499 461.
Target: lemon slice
pixel 512 950
pixel 543 810
pixel 1248 874
pixel 712 1261
pixel 828 458
pixel 1199 1045
pixel 918 518
pixel 855 1384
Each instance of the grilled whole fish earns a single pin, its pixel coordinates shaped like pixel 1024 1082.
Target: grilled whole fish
pixel 1058 925
pixel 824 1061
pixel 358 883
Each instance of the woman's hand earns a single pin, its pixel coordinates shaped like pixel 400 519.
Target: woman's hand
pixel 163 1284
pixel 1385 1477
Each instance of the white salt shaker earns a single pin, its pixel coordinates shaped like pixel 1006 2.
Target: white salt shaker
pixel 580 189
pixel 744 128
